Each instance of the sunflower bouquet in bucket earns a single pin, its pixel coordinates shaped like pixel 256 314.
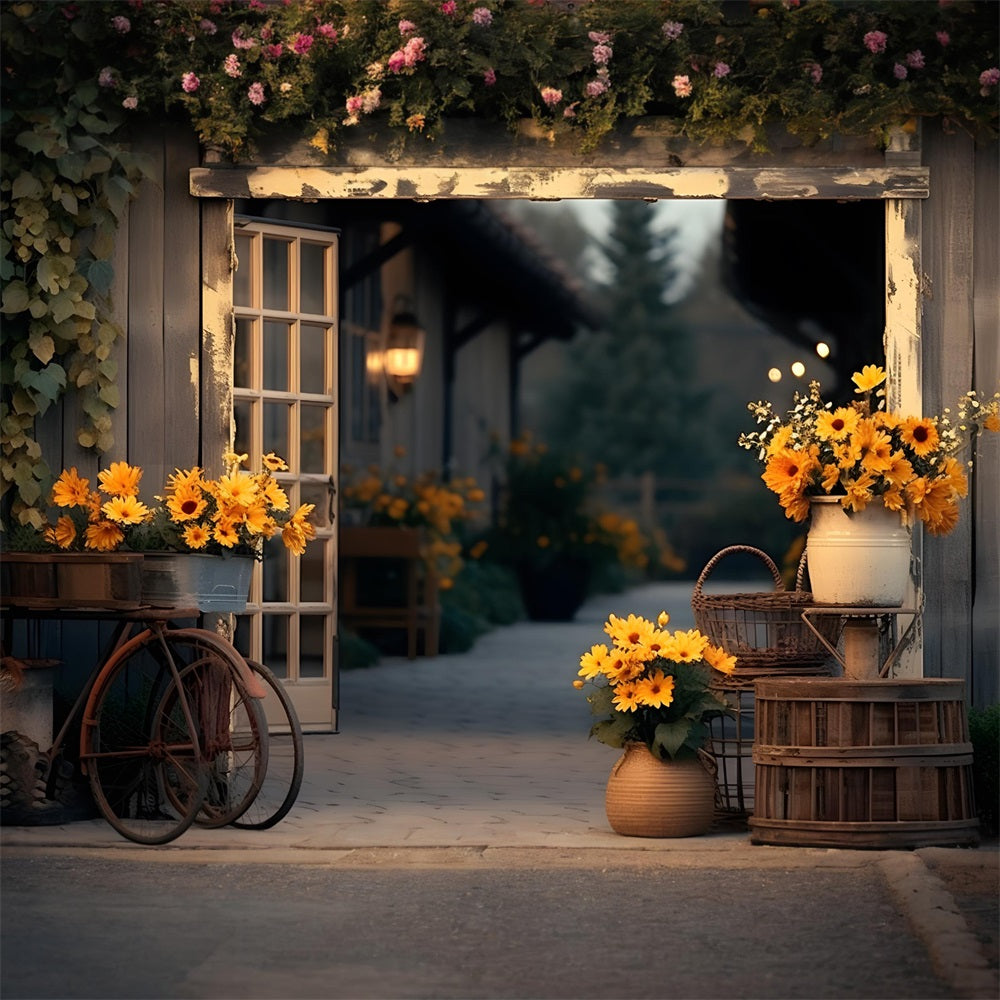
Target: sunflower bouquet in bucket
pixel 864 455
pixel 233 513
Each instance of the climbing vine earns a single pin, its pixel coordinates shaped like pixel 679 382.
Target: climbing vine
pixel 77 75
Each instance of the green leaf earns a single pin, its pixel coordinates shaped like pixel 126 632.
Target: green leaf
pixel 100 274
pixel 669 737
pixel 15 297
pixel 26 185
pixel 42 346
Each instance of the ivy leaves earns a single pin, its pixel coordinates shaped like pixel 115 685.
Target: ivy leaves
pixel 63 191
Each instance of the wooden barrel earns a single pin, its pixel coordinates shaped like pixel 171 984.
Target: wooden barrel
pixel 880 763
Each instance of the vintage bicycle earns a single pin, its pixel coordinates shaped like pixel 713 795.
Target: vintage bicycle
pixel 173 728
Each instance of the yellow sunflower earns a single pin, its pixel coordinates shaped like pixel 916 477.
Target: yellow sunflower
pixel 899 471
pixel 628 633
pixel 70 490
pixel 838 425
pixel 685 646
pixel 186 503
pixel 62 533
pixel 592 662
pixel 239 489
pixel 182 479
pixel 919 434
pixel 197 536
pixel 120 479
pixel 719 659
pixel 789 470
pixel 103 536
pixel 656 691
pixel 868 378
pixel 626 697
pixel 126 510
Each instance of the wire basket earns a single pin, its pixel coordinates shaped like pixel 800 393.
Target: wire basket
pixel 763 630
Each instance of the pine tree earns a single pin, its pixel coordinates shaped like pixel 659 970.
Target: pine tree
pixel 629 400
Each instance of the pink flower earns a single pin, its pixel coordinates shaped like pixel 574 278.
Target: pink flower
pixel 602 54
pixel 239 42
pixel 273 51
pixel 569 112
pixel 490 77
pixel 301 44
pixel 106 78
pixel 597 87
pixel 899 71
pixel 815 72
pixel 720 70
pixel 256 5
pixel 190 83
pixel 448 7
pixel 987 79
pixel 255 93
pixel 327 32
pixel 482 16
pixel 353 104
pixel 407 27
pixel 600 37
pixel 121 24
pixel 915 59
pixel 943 37
pixel 130 103
pixel 551 96
pixel 396 61
pixel 413 50
pixel 232 65
pixel 875 41
pixel 682 86
pixel 672 30
pixel 207 27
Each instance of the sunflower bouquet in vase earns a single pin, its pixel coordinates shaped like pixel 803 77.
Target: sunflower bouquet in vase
pixel 654 698
pixel 863 477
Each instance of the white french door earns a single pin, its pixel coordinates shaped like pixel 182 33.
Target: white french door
pixel 284 401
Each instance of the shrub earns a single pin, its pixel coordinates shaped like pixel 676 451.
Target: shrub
pixel 984 732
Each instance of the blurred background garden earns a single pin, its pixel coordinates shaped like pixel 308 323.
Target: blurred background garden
pixel 624 466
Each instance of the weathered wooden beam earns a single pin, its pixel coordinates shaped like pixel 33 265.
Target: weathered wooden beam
pixel 554 183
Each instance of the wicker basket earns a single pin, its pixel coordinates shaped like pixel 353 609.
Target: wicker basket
pixel 765 630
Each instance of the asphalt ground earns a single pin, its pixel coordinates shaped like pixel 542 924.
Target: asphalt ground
pixel 451 840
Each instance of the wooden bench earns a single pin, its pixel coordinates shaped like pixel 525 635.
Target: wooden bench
pixel 415 606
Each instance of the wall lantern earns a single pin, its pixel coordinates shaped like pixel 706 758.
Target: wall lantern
pixel 404 351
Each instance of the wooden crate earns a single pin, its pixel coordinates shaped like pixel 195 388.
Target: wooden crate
pixel 71 579
pixel 881 763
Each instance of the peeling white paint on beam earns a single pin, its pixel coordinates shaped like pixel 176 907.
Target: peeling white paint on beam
pixel 393 181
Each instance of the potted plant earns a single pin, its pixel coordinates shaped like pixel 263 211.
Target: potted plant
pixel 551 530
pixel 863 477
pixel 196 547
pixel 380 500
pixel 652 694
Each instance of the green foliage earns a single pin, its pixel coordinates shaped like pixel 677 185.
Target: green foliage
pixel 629 397
pixel 675 730
pixel 984 732
pixel 76 75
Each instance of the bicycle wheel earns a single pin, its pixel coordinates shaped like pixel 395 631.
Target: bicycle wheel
pixel 285 757
pixel 232 732
pixel 131 751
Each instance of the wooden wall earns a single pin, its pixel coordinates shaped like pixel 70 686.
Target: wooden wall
pixel 960 338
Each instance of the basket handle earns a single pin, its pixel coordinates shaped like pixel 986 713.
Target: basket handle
pixel 765 558
pixel 800 573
